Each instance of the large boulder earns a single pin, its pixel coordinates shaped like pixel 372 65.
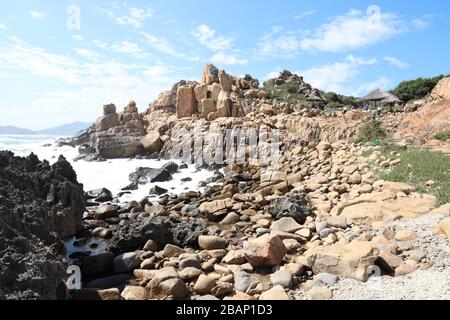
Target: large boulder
pixel 226 81
pixel 210 74
pixel 186 102
pixel 350 260
pixel 40 204
pixel 163 230
pixel 265 251
pixel 152 142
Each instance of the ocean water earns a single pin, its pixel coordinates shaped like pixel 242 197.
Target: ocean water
pixel 112 174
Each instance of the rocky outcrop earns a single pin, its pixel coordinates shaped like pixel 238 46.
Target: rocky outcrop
pixel 162 230
pixel 39 205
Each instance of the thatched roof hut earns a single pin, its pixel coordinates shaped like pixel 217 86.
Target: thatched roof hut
pixel 382 96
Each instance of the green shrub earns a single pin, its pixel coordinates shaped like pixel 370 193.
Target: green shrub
pixel 416 89
pixel 443 135
pixel 370 132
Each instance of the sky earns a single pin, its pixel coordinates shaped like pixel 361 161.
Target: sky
pixel 60 61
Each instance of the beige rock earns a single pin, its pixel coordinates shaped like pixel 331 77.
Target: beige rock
pixel 209 74
pixel 186 103
pixel 362 212
pixel 204 284
pixel 276 293
pixel 405 235
pixel 201 92
pixel 226 81
pixel 286 224
pixel 211 242
pixel 152 142
pixel 134 293
pixel 346 260
pixel 189 273
pixel 207 106
pixel 320 293
pixel 444 227
pixel 265 251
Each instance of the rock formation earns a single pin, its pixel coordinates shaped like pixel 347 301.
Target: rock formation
pixel 39 205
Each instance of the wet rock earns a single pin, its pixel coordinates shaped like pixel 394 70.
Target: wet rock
pixel 116 281
pixel 126 262
pixel 100 195
pixel 97 264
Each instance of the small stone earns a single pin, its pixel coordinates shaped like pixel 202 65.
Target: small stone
pixel 429 183
pixel 404 269
pixel 325 279
pixel 276 293
pixel 282 278
pixel 243 281
pixel 405 235
pixel 150 245
pixel 286 224
pixel 211 242
pixel 190 273
pixel 337 221
pixel 204 284
pixel 101 232
pixel 235 257
pixel 320 293
pixel 134 293
pixel 171 250
pixel 417 255
pixel 230 218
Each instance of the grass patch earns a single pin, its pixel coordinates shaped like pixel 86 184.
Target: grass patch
pixel 418 166
pixel 371 132
pixel 443 135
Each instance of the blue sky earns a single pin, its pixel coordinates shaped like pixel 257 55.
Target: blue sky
pixel 60 61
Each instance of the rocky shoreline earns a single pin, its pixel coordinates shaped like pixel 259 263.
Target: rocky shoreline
pixel 288 230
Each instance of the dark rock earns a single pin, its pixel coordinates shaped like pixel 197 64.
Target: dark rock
pixel 39 205
pixel 163 230
pixel 294 206
pixel 156 190
pixel 116 281
pixel 97 264
pixel 100 195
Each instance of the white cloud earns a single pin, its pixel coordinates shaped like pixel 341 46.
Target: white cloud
pixel 420 23
pixel 128 47
pixel 305 14
pixel 338 77
pixel 396 62
pixel 160 44
pixel 3 27
pixel 78 37
pixel 207 36
pixel 61 82
pixel 354 30
pixel 227 59
pixel 91 54
pixel 133 16
pixel 37 14
pixel 365 88
pixel 279 42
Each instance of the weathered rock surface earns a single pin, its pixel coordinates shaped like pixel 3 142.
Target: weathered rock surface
pixel 39 205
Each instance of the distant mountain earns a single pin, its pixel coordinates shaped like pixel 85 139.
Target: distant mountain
pixel 14 130
pixel 66 129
